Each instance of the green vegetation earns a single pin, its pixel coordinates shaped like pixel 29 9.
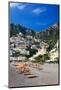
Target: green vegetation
pixel 31 52
pixel 16 54
pixel 16 28
pixel 46 56
pixel 50 36
pixel 42 58
pixel 54 62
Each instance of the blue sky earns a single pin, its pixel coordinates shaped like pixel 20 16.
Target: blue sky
pixel 35 16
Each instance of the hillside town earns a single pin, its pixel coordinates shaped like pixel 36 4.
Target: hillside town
pixel 19 44
pixel 34 69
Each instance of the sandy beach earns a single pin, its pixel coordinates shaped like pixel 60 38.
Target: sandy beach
pixel 47 76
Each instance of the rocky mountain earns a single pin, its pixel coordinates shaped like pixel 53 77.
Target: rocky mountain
pixel 54 55
pixel 42 44
pixel 16 29
pixel 50 36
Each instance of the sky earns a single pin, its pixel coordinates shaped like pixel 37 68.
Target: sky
pixel 34 16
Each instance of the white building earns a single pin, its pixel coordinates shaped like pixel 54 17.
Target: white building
pixel 21 58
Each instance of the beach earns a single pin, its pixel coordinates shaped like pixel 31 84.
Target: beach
pixel 48 75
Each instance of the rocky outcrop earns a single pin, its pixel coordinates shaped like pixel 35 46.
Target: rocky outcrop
pixel 54 53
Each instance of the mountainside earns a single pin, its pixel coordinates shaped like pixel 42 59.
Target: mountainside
pixel 50 36
pixel 41 46
pixel 54 56
pixel 16 29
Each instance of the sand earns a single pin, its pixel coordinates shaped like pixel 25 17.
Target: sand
pixel 47 76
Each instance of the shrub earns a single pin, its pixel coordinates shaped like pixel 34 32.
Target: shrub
pixel 32 52
pixel 16 54
pixel 42 58
pixel 46 56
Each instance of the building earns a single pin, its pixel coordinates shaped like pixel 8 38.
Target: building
pixel 21 58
